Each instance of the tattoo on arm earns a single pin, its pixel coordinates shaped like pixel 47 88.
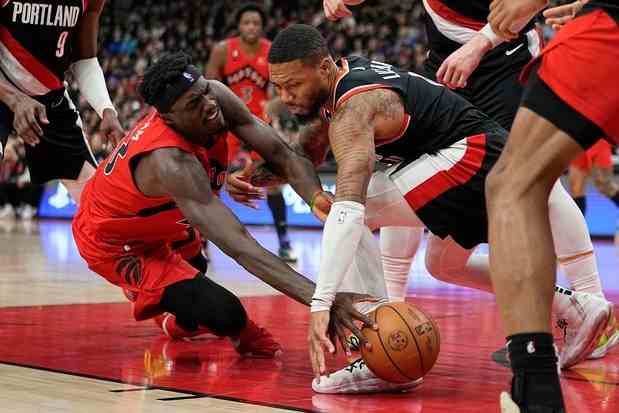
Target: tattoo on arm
pixel 351 135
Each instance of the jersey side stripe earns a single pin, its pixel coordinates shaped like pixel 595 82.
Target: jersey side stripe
pixel 27 61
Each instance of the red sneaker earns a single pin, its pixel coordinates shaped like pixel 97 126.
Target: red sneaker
pixel 256 342
pixel 167 322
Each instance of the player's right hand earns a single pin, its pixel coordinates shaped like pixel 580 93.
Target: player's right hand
pixel 239 188
pixel 336 9
pixel 556 17
pixel 28 117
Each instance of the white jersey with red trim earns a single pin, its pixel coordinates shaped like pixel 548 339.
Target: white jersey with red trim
pixel 451 23
pixel 36 40
pixel 436 117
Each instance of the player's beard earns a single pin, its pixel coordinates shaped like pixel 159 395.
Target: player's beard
pixel 314 112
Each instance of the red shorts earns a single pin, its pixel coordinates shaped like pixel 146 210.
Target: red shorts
pixel 143 276
pixel 599 155
pixel 580 66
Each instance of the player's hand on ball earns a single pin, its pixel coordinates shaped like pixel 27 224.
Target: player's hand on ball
pixel 239 188
pixel 508 16
pixel 111 127
pixel 556 17
pixel 336 9
pixel 29 116
pixel 343 316
pixel 457 68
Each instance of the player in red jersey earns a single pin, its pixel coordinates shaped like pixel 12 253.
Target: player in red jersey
pixel 241 63
pixel 163 176
pixel 600 157
pixel 571 100
pixel 38 43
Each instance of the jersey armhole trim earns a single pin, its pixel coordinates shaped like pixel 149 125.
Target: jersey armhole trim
pixel 359 89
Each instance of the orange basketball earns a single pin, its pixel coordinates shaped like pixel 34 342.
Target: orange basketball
pixel 406 345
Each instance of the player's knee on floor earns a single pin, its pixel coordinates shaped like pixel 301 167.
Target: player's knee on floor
pixel 217 308
pixel 202 302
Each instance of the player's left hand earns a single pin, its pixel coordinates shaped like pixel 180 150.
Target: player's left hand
pixel 111 128
pixel 240 189
pixel 558 16
pixel 457 68
pixel 336 9
pixel 506 15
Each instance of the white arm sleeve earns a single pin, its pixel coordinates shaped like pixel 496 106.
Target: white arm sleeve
pixel 91 83
pixel 340 240
pixel 491 35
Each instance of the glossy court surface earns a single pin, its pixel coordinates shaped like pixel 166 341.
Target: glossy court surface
pixel 68 342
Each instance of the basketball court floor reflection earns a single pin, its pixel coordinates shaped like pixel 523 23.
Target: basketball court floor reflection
pixel 68 342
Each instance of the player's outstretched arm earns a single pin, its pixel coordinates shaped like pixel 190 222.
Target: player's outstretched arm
pixel 89 76
pixel 312 143
pixel 296 169
pixel 180 175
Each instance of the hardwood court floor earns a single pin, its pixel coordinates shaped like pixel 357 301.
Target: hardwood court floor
pixel 68 343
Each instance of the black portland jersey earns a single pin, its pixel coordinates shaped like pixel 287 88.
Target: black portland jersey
pixel 36 41
pixel 435 117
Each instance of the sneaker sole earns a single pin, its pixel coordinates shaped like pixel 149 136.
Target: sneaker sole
pixel 393 387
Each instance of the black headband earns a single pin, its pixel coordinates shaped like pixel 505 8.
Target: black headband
pixel 175 88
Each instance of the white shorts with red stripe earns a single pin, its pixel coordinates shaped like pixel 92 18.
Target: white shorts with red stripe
pixel 446 189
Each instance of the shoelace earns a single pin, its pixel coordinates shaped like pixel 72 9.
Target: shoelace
pixel 360 363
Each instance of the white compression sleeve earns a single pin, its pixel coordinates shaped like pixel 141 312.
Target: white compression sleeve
pixel 340 240
pixel 91 83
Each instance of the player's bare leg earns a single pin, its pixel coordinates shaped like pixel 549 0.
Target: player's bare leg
pixel 522 257
pixel 76 186
pixel 577 180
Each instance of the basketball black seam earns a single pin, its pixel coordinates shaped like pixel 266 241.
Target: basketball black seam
pixel 387 353
pixel 414 338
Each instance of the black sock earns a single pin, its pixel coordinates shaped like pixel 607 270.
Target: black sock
pixel 278 210
pixel 533 358
pixel 581 201
pixel 615 198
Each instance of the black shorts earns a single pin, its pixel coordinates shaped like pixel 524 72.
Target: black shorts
pixel 447 189
pixel 494 87
pixel 539 98
pixel 63 148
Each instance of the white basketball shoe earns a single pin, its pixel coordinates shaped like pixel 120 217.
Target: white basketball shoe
pixel 357 378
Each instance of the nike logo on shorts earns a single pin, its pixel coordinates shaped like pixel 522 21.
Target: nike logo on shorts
pixel 512 51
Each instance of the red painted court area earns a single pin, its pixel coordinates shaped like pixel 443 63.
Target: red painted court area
pixel 102 340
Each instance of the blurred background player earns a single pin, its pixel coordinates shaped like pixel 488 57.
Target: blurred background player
pixel 597 160
pixel 241 63
pixel 38 44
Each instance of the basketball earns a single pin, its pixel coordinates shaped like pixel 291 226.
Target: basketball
pixel 406 345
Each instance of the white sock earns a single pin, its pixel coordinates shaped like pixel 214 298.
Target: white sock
pixel 398 246
pixel 572 241
pixel 561 301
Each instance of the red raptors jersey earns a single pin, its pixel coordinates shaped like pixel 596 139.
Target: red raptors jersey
pixel 36 41
pixel 115 217
pixel 248 77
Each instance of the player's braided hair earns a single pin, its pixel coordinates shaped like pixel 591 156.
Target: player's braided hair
pixel 298 41
pixel 158 75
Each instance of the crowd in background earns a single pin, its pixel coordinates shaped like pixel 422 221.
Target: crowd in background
pixel 134 33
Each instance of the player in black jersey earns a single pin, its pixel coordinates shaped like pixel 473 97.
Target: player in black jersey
pixel 466 55
pixel 38 43
pixel 438 148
